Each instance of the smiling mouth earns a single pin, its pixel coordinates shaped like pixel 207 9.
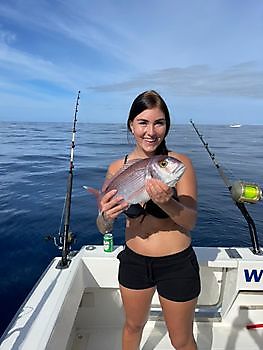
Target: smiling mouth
pixel 151 140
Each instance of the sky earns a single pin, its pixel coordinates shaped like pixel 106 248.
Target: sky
pixel 205 57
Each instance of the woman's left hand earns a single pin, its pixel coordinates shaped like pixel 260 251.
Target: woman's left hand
pixel 158 191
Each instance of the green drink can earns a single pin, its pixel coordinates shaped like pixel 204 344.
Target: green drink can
pixel 108 242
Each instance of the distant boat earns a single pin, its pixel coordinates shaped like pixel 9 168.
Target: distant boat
pixel 235 125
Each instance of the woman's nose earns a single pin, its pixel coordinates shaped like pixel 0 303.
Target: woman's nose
pixel 151 129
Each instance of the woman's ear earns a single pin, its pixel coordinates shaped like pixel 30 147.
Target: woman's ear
pixel 131 127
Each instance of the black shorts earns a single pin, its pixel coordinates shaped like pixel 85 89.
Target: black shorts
pixel 175 276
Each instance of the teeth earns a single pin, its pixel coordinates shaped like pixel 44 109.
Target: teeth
pixel 150 140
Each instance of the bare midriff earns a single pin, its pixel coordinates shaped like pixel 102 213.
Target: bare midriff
pixel 152 236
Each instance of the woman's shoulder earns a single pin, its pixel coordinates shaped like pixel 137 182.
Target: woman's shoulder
pixel 115 166
pixel 182 157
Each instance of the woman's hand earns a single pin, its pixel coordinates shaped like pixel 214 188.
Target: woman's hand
pixel 158 191
pixel 112 206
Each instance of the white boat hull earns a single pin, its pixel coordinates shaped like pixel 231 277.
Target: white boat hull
pixel 80 307
pixel 235 126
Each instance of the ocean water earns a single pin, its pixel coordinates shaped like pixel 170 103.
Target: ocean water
pixel 33 179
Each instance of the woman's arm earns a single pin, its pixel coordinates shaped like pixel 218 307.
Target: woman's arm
pixel 110 205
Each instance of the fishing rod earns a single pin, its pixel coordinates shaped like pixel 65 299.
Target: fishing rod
pixel 241 192
pixel 67 238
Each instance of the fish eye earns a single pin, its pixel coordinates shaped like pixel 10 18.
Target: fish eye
pixel 163 163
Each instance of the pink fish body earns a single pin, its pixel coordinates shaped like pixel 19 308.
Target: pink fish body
pixel 129 181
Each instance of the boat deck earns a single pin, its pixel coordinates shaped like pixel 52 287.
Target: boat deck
pixel 80 307
pixel 155 337
pixel 209 330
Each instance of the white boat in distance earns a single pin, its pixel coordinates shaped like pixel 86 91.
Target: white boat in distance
pixel 235 125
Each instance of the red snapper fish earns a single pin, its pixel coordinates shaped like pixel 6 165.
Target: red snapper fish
pixel 130 180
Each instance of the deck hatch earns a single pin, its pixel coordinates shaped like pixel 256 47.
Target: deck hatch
pixel 233 253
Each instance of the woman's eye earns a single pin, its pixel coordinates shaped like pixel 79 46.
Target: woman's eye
pixel 161 123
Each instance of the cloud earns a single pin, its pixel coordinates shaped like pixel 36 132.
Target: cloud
pixel 79 23
pixel 242 80
pixel 7 36
pixel 19 69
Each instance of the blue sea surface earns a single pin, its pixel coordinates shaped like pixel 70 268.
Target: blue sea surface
pixel 34 170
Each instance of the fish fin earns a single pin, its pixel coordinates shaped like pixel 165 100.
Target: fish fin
pixel 93 191
pixel 131 162
pixel 142 197
pixel 120 171
pixel 148 173
pixel 106 184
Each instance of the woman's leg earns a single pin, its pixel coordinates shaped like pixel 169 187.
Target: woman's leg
pixel 136 306
pixel 179 321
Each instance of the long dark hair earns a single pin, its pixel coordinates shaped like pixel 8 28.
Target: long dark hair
pixel 148 100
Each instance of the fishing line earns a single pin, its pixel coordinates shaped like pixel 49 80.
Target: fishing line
pixel 60 235
pixel 61 221
pixel 241 192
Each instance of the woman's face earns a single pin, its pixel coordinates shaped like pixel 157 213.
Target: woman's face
pixel 149 129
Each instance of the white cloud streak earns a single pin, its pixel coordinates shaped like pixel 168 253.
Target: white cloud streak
pixel 73 21
pixel 243 80
pixel 180 48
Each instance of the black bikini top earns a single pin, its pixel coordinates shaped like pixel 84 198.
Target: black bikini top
pixel 136 210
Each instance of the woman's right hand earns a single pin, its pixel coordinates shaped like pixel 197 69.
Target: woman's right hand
pixel 112 206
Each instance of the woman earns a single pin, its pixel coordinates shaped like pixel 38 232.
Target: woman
pixel 158 252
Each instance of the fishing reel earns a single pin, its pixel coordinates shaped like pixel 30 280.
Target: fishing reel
pixel 245 192
pixel 58 240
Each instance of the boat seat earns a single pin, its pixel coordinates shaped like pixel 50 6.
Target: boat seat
pixel 209 301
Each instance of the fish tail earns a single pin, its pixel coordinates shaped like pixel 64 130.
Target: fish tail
pixel 93 191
